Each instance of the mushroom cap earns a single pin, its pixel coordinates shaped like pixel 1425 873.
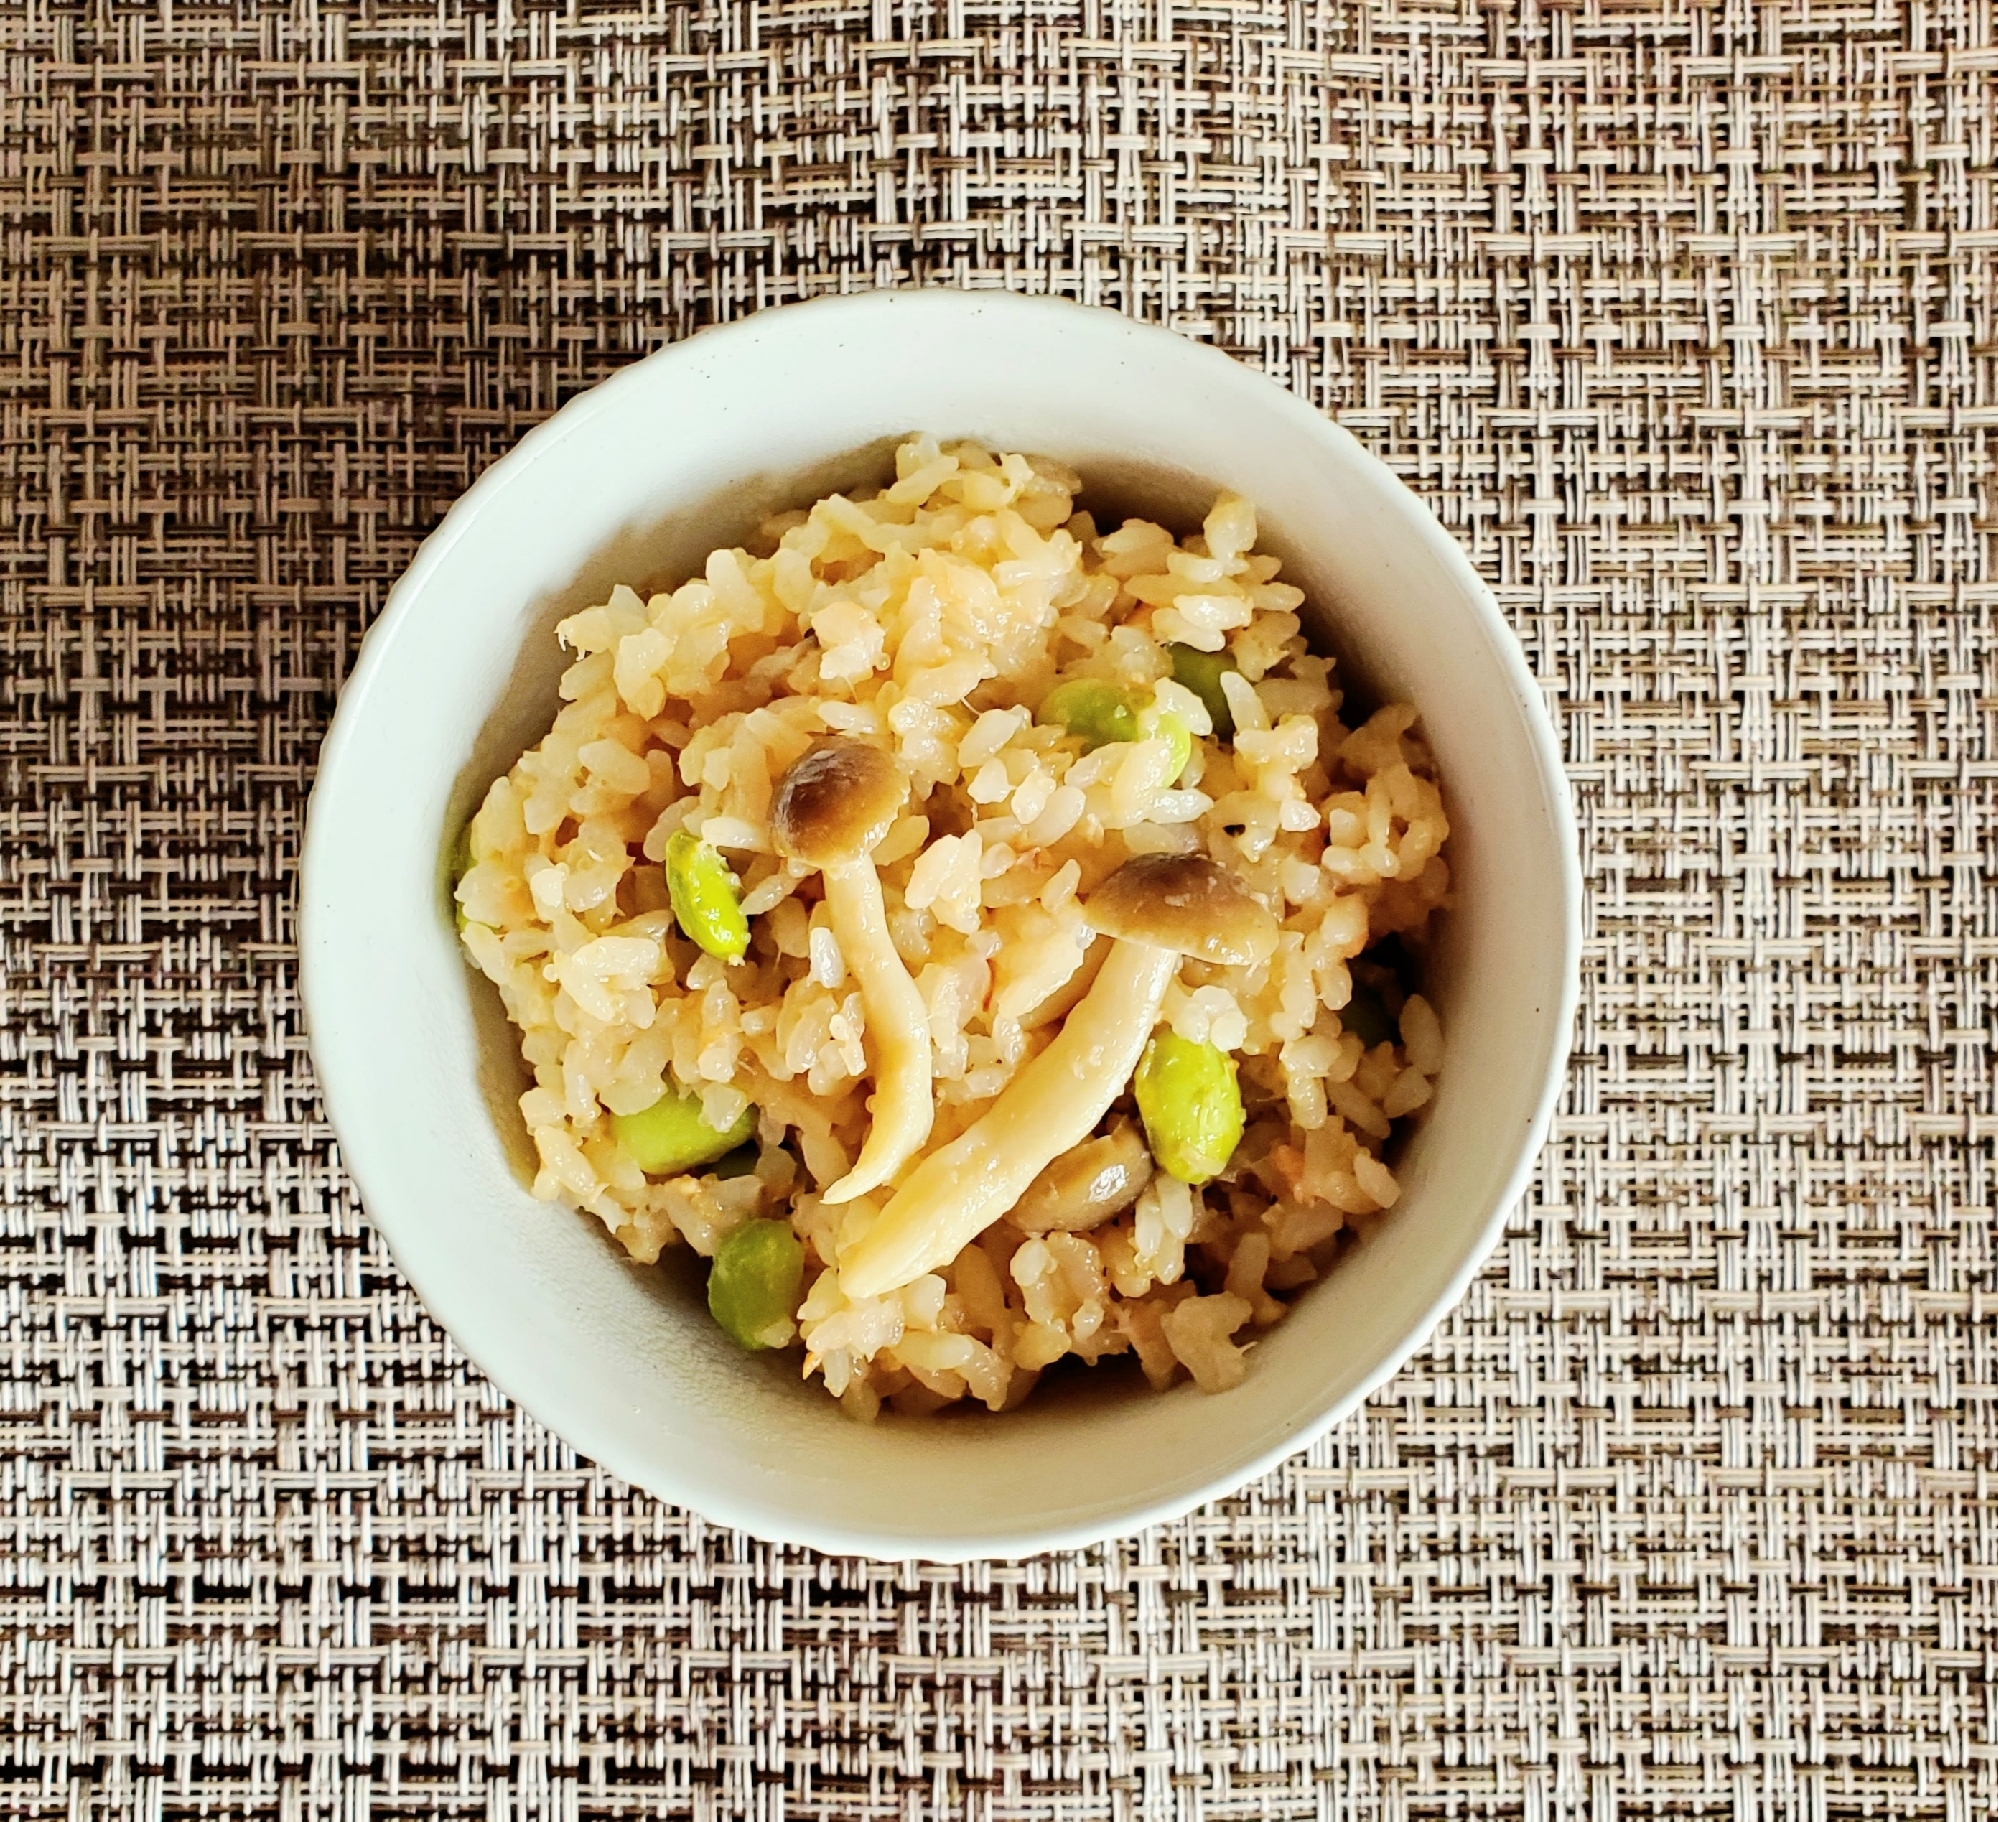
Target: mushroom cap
pixel 1186 903
pixel 1086 1185
pixel 837 801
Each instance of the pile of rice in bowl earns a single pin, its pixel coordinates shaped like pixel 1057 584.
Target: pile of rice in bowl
pixel 973 929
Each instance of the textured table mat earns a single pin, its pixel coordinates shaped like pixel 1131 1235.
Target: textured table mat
pixel 1680 315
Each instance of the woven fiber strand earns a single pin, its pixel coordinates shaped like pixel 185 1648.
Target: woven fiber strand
pixel 1680 315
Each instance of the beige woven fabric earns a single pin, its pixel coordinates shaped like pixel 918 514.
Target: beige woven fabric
pixel 1681 316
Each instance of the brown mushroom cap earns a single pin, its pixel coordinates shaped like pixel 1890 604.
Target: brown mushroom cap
pixel 837 801
pixel 1086 1185
pixel 1184 902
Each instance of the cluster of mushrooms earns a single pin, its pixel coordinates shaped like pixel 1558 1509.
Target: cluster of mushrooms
pixel 1032 1151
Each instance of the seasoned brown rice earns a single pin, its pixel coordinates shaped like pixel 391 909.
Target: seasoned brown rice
pixel 931 618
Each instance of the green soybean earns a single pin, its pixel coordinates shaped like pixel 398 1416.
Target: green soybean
pixel 1200 672
pixel 461 864
pixel 754 1282
pixel 672 1136
pixel 1096 711
pixel 703 893
pixel 1191 1103
pixel 741 1162
pixel 1366 1016
pixel 1162 724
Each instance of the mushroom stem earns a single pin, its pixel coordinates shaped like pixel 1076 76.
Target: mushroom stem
pixel 898 1029
pixel 1052 1104
pixel 831 812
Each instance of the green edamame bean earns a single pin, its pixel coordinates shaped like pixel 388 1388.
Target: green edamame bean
pixel 1366 1016
pixel 741 1162
pixel 1156 723
pixel 1191 1103
pixel 754 1282
pixel 461 864
pixel 1200 672
pixel 672 1136
pixel 703 893
pixel 1096 711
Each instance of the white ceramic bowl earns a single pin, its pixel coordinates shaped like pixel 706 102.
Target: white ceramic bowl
pixel 640 478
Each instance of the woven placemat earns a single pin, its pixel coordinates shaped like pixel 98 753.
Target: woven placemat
pixel 1681 316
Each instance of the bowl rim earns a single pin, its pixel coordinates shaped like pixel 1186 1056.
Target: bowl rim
pixel 575 1424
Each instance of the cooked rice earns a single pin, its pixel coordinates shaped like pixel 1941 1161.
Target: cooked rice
pixel 932 616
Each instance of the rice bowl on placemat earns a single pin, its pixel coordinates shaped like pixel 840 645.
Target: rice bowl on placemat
pixel 705 1378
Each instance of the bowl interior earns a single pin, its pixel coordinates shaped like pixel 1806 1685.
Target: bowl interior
pixel 636 482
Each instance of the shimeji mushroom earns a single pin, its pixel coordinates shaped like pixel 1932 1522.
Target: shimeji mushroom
pixel 1158 907
pixel 1086 1185
pixel 832 810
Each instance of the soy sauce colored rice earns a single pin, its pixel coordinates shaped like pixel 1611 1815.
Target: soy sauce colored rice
pixel 931 619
